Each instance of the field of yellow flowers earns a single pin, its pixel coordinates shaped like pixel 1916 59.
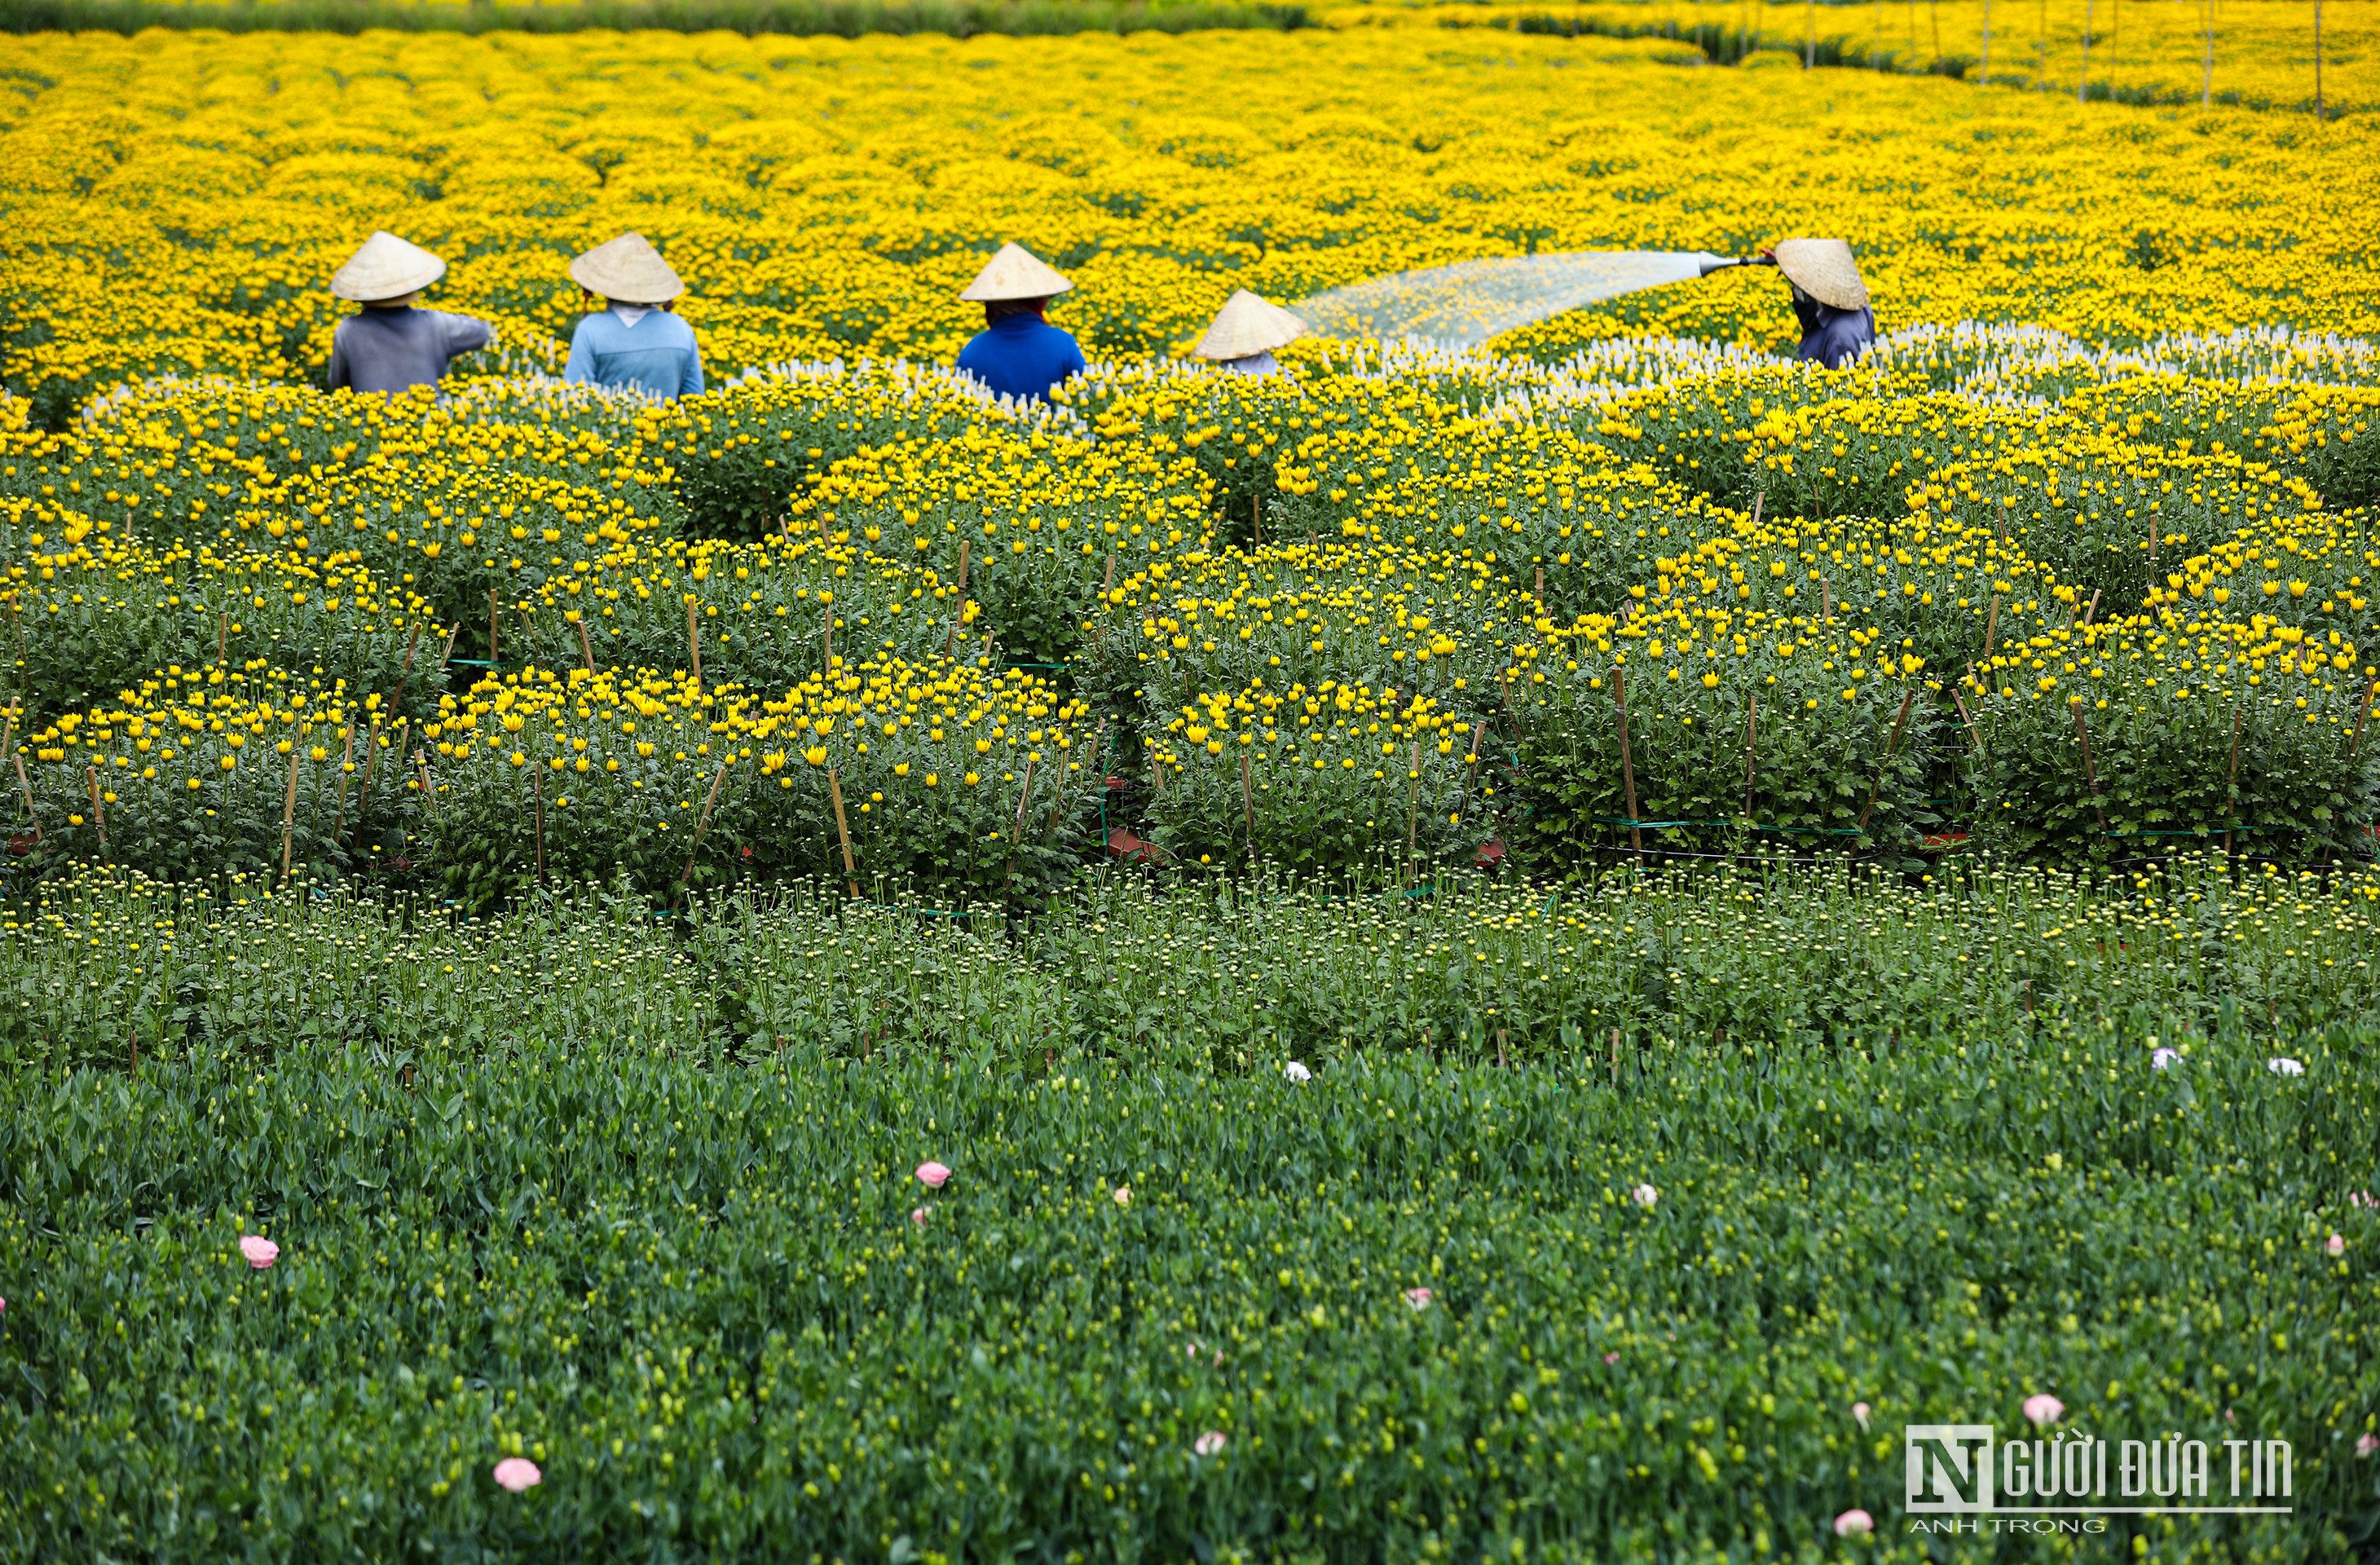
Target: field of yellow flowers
pixel 844 968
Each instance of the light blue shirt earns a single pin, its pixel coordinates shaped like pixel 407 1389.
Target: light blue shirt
pixel 657 353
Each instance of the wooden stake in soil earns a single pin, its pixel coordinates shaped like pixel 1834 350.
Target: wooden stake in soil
pixel 347 769
pixel 1891 748
pixel 694 643
pixel 1615 1056
pixel 1991 628
pixel 2090 773
pixel 1751 749
pixel 2231 780
pixel 1825 599
pixel 2003 524
pixel 1413 808
pixel 447 656
pixel 1963 718
pixel 98 805
pixel 1758 501
pixel 429 791
pixel 2093 608
pixel 701 824
pixel 586 648
pixel 2355 742
pixel 372 754
pixel 1627 766
pixel 1259 518
pixel 223 634
pixel 958 614
pixel 24 785
pixel 290 809
pixel 842 834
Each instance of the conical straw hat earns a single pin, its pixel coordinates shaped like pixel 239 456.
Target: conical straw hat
pixel 627 269
pixel 1014 273
pixel 385 267
pixel 1824 270
pixel 1247 324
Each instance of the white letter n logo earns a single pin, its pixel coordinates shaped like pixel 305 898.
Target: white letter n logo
pixel 1950 1466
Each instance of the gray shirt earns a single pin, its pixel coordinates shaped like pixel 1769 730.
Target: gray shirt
pixel 387 350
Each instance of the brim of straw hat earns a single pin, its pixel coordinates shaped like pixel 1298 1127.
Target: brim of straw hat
pixel 385 267
pixel 1014 273
pixel 1822 269
pixel 627 269
pixel 1249 324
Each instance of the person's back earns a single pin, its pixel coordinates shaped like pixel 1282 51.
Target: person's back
pixel 390 346
pixel 651 350
pixel 1834 337
pixel 381 349
pixel 1021 355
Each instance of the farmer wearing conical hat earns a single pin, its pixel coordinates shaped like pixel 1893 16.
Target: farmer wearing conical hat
pixel 1245 332
pixel 634 340
pixel 391 344
pixel 1828 299
pixel 1019 354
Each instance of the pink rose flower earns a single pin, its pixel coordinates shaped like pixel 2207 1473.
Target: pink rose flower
pixel 2043 1408
pixel 260 1252
pixel 1854 1523
pixel 1419 1298
pixel 1209 1443
pixel 516 1474
pixel 932 1175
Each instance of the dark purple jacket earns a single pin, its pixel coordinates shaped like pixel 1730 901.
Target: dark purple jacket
pixel 1833 337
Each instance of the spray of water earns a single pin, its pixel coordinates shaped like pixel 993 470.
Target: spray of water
pixel 1468 302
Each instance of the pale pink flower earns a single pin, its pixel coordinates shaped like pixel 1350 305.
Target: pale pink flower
pixel 918 1216
pixel 2282 1065
pixel 2360 1198
pixel 1419 1298
pixel 2366 1443
pixel 2335 1244
pixel 1860 1410
pixel 1644 1196
pixel 2164 1058
pixel 1854 1523
pixel 1611 1357
pixel 2043 1408
pixel 1297 1072
pixel 932 1175
pixel 1124 1195
pixel 516 1474
pixel 1209 1443
pixel 260 1252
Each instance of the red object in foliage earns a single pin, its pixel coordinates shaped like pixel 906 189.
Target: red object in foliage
pixel 1115 784
pixel 1942 842
pixel 1131 849
pixel 1490 853
pixel 21 843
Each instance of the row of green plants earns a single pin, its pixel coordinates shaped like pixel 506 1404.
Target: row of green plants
pixel 385 1201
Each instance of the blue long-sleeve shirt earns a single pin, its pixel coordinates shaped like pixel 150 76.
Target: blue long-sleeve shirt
pixel 658 353
pixel 1021 355
pixel 1834 337
pixel 391 350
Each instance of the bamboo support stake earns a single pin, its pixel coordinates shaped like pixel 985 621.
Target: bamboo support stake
pixel 537 793
pixel 585 646
pixel 1257 503
pixel 842 834
pixel 1541 589
pixel 1825 599
pixel 1991 629
pixel 1627 766
pixel 2153 539
pixel 701 824
pixel 1961 700
pixel 1413 808
pixel 958 614
pixel 98 805
pixel 2003 524
pixel 2094 609
pixel 1247 800
pixel 428 790
pixel 25 786
pixel 447 656
pixel 1891 748
pixel 2355 741
pixel 289 811
pixel 2090 773
pixel 1751 749
pixel 1615 1056
pixel 694 643
pixel 346 768
pixel 2231 780
pixel 1155 774
pixel 222 635
pixel 372 754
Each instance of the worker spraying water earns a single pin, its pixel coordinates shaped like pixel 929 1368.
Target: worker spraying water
pixel 1467 302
